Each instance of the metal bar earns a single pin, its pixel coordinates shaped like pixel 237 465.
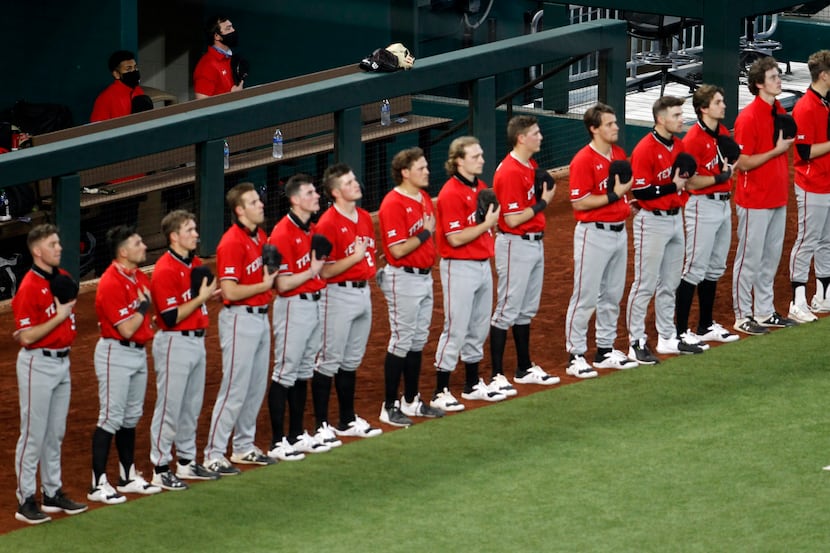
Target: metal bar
pixel 68 218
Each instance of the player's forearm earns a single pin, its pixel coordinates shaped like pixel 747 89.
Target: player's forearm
pixel 330 270
pixel 818 150
pixel 187 309
pixel 233 291
pixel 31 335
pixel 129 327
pixel 458 239
pixel 700 181
pixel 653 191
pixel 408 246
pixel 289 282
pixel 589 202
pixel 748 163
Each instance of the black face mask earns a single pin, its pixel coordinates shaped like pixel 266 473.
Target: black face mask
pixel 231 39
pixel 131 79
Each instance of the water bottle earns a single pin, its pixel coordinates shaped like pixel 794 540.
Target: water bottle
pixel 226 154
pixel 276 151
pixel 385 114
pixel 5 215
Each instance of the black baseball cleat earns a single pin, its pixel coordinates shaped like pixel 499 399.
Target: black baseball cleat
pixel 777 321
pixel 60 503
pixel 30 513
pixel 640 351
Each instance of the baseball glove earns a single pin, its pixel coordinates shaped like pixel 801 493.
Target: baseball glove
pixel 381 60
pixel 196 276
pixel 140 103
pixel 486 198
pixel 63 288
pixel 271 257
pixel 542 178
pixel 239 68
pixel 686 165
pixel 621 168
pixel 405 59
pixel 728 148
pixel 320 245
pixel 784 122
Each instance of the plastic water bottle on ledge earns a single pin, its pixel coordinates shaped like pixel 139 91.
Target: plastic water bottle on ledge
pixel 385 114
pixel 226 154
pixel 276 150
pixel 5 214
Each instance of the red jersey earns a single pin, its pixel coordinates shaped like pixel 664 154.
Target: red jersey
pixel 513 185
pixel 702 146
pixel 651 162
pixel 402 216
pixel 294 244
pixel 116 300
pixel 766 186
pixel 213 75
pixel 456 210
pixel 239 258
pixel 589 175
pixel 34 304
pixel 342 232
pixel 170 287
pixel 115 101
pixel 811 114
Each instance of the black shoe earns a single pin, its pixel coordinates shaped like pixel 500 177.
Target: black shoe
pixel 750 326
pixel 777 321
pixel 640 351
pixel 29 512
pixel 59 503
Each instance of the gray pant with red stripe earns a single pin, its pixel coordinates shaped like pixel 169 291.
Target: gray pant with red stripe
pixel 468 300
pixel 760 240
pixel 179 363
pixel 409 299
pixel 346 321
pixel 812 244
pixel 600 257
pixel 245 339
pixel 43 385
pixel 520 265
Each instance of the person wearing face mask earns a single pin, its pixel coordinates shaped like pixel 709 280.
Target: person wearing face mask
pixel 213 74
pixel 118 99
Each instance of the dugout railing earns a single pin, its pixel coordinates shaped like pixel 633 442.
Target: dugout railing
pixel 206 127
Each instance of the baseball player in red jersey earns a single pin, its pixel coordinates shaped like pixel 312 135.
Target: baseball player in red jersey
pixel 520 254
pixel 297 333
pixel 812 192
pixel 658 235
pixel 178 354
pixel 465 245
pixel 244 334
pixel 345 305
pixel 116 100
pixel 121 303
pixel 708 217
pixel 45 328
pixel 600 246
pixel 761 194
pixel 407 222
pixel 213 74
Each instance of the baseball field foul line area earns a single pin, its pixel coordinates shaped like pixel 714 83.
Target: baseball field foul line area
pixel 718 452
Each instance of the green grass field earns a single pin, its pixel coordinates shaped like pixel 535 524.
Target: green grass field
pixel 714 453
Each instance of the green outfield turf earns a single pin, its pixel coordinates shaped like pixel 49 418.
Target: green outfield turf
pixel 720 452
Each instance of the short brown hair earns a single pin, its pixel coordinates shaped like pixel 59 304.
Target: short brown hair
pixel 292 186
pixel 757 73
pixel 593 116
pixel 174 220
pixel 404 160
pixel 704 95
pixel 663 103
pixel 40 232
pixel 331 175
pixel 519 124
pixel 458 150
pixel 234 196
pixel 818 62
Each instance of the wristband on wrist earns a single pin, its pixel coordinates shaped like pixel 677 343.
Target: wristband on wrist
pixel 424 235
pixel 143 307
pixel 722 177
pixel 539 206
pixel 612 196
